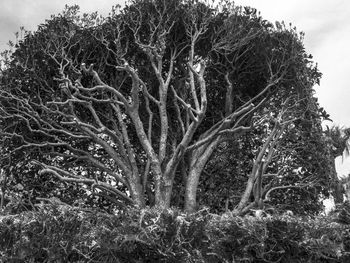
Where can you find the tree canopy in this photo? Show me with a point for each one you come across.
(141, 104)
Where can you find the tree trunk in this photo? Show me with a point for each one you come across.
(165, 188)
(163, 195)
(246, 195)
(136, 191)
(199, 158)
(168, 189)
(3, 177)
(191, 189)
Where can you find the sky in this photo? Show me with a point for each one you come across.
(325, 23)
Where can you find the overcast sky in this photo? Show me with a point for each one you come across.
(325, 23)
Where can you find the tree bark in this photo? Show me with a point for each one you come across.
(136, 190)
(199, 159)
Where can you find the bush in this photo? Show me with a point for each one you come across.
(58, 233)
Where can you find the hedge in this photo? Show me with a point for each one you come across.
(58, 233)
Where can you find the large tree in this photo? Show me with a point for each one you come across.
(123, 105)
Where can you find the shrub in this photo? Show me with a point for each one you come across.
(56, 233)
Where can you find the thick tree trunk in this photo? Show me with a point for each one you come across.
(191, 189)
(199, 158)
(163, 195)
(136, 191)
(165, 188)
(168, 189)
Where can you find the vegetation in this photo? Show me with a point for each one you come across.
(124, 107)
(162, 108)
(63, 234)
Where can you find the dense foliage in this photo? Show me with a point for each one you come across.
(131, 108)
(112, 128)
(66, 234)
(303, 162)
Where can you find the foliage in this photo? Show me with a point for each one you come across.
(338, 144)
(66, 234)
(296, 177)
(122, 107)
(339, 140)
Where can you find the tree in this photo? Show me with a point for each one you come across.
(125, 104)
(338, 141)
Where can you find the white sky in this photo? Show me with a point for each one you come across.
(325, 22)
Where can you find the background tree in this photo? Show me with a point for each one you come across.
(338, 143)
(122, 105)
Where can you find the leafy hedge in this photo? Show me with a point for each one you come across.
(57, 233)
